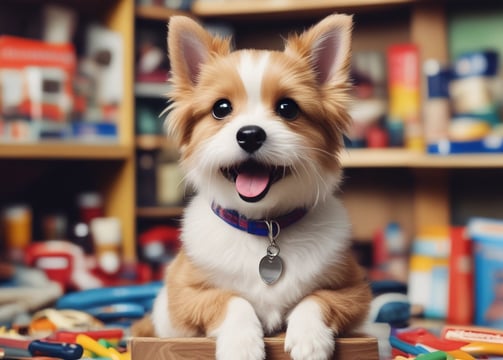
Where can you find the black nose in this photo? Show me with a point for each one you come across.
(251, 138)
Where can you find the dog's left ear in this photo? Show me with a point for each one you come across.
(189, 47)
(327, 46)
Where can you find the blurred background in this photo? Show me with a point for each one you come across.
(91, 194)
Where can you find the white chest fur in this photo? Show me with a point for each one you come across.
(230, 257)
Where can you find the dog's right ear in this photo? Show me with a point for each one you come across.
(327, 46)
(190, 46)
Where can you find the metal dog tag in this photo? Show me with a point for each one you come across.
(271, 266)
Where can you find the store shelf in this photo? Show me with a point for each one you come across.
(227, 8)
(151, 89)
(156, 12)
(250, 8)
(55, 150)
(159, 211)
(368, 158)
(154, 142)
(365, 158)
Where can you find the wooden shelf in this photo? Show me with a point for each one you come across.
(151, 89)
(227, 8)
(369, 158)
(247, 8)
(64, 150)
(159, 211)
(355, 158)
(425, 194)
(156, 12)
(154, 142)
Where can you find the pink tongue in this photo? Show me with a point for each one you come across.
(251, 185)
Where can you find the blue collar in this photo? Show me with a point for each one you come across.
(257, 227)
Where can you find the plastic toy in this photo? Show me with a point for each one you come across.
(28, 290)
(64, 263)
(420, 341)
(92, 345)
(158, 246)
(29, 348)
(113, 303)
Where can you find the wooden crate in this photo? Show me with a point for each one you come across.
(362, 348)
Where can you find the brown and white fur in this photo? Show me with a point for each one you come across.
(213, 287)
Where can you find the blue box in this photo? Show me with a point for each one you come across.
(487, 235)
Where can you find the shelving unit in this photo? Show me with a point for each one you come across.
(58, 150)
(151, 90)
(380, 185)
(393, 158)
(154, 93)
(156, 12)
(53, 170)
(156, 143)
(253, 9)
(159, 211)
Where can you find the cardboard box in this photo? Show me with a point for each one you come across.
(36, 87)
(362, 348)
(487, 236)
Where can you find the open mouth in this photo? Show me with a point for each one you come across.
(253, 179)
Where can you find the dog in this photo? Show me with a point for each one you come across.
(265, 242)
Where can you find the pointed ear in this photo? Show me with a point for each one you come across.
(327, 46)
(190, 46)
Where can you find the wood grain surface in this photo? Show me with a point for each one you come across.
(361, 348)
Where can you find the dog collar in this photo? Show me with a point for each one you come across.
(270, 266)
(258, 226)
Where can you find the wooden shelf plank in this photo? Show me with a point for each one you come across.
(380, 158)
(159, 211)
(64, 150)
(227, 8)
(156, 12)
(151, 89)
(354, 158)
(154, 142)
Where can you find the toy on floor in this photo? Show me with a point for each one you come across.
(425, 345)
(25, 291)
(67, 264)
(390, 303)
(118, 304)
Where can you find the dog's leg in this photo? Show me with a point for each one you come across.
(308, 337)
(240, 335)
(158, 323)
(318, 318)
(230, 319)
(161, 319)
(196, 306)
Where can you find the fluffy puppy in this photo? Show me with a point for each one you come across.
(266, 245)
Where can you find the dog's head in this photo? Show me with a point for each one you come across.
(259, 131)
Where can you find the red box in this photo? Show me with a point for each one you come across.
(36, 86)
(404, 93)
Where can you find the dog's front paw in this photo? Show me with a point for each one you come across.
(240, 336)
(307, 335)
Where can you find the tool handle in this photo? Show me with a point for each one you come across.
(55, 349)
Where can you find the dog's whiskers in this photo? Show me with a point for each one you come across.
(318, 150)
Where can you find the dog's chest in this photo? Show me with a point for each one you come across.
(236, 267)
(230, 258)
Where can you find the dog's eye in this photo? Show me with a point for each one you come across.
(287, 109)
(221, 109)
